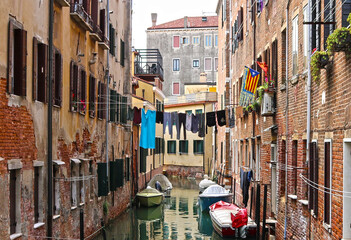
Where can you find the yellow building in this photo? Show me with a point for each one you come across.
(193, 155)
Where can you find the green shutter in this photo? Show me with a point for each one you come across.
(128, 168)
(122, 53)
(102, 179)
(186, 146)
(194, 146)
(120, 172)
(118, 99)
(124, 110)
(113, 176)
(201, 147)
(112, 106)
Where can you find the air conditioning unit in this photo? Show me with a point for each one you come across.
(268, 106)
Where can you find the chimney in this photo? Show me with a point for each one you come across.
(154, 19)
(203, 77)
(185, 22)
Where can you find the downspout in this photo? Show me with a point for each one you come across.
(286, 116)
(203, 146)
(107, 92)
(49, 166)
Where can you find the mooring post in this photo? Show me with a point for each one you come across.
(103, 229)
(81, 225)
(264, 212)
(251, 200)
(257, 211)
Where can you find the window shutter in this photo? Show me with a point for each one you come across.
(59, 62)
(91, 96)
(13, 222)
(10, 55)
(104, 97)
(241, 23)
(128, 168)
(71, 92)
(35, 69)
(112, 106)
(78, 89)
(94, 11)
(102, 179)
(99, 101)
(20, 86)
(53, 79)
(102, 21)
(327, 171)
(122, 53)
(186, 147)
(118, 104)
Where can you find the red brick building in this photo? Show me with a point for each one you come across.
(297, 161)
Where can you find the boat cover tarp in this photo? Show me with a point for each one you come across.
(206, 183)
(163, 180)
(238, 215)
(215, 190)
(149, 190)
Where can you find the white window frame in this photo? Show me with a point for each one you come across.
(173, 41)
(326, 225)
(198, 61)
(215, 42)
(39, 165)
(207, 70)
(305, 36)
(173, 89)
(198, 40)
(210, 40)
(185, 37)
(295, 43)
(178, 65)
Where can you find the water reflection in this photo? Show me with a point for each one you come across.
(177, 218)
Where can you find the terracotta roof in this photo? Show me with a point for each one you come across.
(192, 22)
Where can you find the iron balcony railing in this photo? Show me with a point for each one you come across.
(102, 36)
(77, 8)
(148, 62)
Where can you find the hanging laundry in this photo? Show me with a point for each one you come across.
(159, 117)
(195, 123)
(182, 121)
(210, 119)
(202, 125)
(130, 114)
(221, 118)
(175, 120)
(137, 115)
(188, 121)
(148, 129)
(167, 121)
(231, 117)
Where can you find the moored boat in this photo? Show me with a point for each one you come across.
(228, 220)
(205, 183)
(165, 184)
(212, 195)
(149, 197)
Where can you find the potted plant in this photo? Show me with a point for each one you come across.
(318, 61)
(339, 40)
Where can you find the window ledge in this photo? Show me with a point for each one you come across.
(327, 227)
(56, 217)
(81, 204)
(15, 235)
(73, 208)
(38, 225)
(198, 153)
(292, 197)
(303, 202)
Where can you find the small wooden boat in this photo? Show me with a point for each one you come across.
(166, 185)
(205, 183)
(212, 195)
(149, 213)
(228, 220)
(149, 197)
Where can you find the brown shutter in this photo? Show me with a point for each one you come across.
(24, 63)
(53, 78)
(94, 11)
(242, 23)
(10, 46)
(71, 92)
(102, 21)
(327, 171)
(35, 69)
(79, 95)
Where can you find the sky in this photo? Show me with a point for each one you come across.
(167, 10)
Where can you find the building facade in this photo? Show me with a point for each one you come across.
(83, 44)
(297, 141)
(189, 48)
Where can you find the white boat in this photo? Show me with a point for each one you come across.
(205, 183)
(166, 185)
(212, 195)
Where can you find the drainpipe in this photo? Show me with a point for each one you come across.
(203, 154)
(107, 92)
(287, 117)
(49, 166)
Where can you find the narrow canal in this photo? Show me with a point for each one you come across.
(177, 218)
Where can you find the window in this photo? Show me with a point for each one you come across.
(176, 64)
(198, 111)
(57, 84)
(143, 155)
(175, 89)
(258, 161)
(216, 40)
(328, 168)
(283, 57)
(221, 152)
(171, 146)
(295, 45)
(196, 63)
(216, 64)
(196, 40)
(82, 92)
(17, 59)
(208, 41)
(102, 21)
(240, 25)
(183, 146)
(275, 62)
(189, 112)
(75, 186)
(123, 116)
(329, 16)
(185, 40)
(176, 40)
(316, 28)
(40, 53)
(282, 173)
(113, 106)
(305, 37)
(15, 201)
(92, 95)
(56, 187)
(259, 7)
(91, 180)
(122, 50)
(157, 145)
(81, 188)
(313, 176)
(198, 146)
(38, 193)
(294, 166)
(101, 100)
(208, 64)
(112, 41)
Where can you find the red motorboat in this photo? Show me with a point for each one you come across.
(229, 220)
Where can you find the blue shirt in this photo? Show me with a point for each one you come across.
(148, 129)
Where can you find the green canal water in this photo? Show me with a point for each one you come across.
(177, 218)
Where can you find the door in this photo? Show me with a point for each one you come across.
(347, 188)
(274, 177)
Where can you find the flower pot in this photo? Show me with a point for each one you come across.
(323, 61)
(343, 43)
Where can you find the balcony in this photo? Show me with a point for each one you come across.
(98, 35)
(148, 64)
(81, 17)
(62, 3)
(192, 98)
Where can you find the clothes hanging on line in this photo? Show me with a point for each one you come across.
(182, 121)
(148, 129)
(245, 179)
(175, 120)
(137, 115)
(167, 121)
(130, 114)
(159, 117)
(202, 125)
(188, 121)
(195, 123)
(221, 118)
